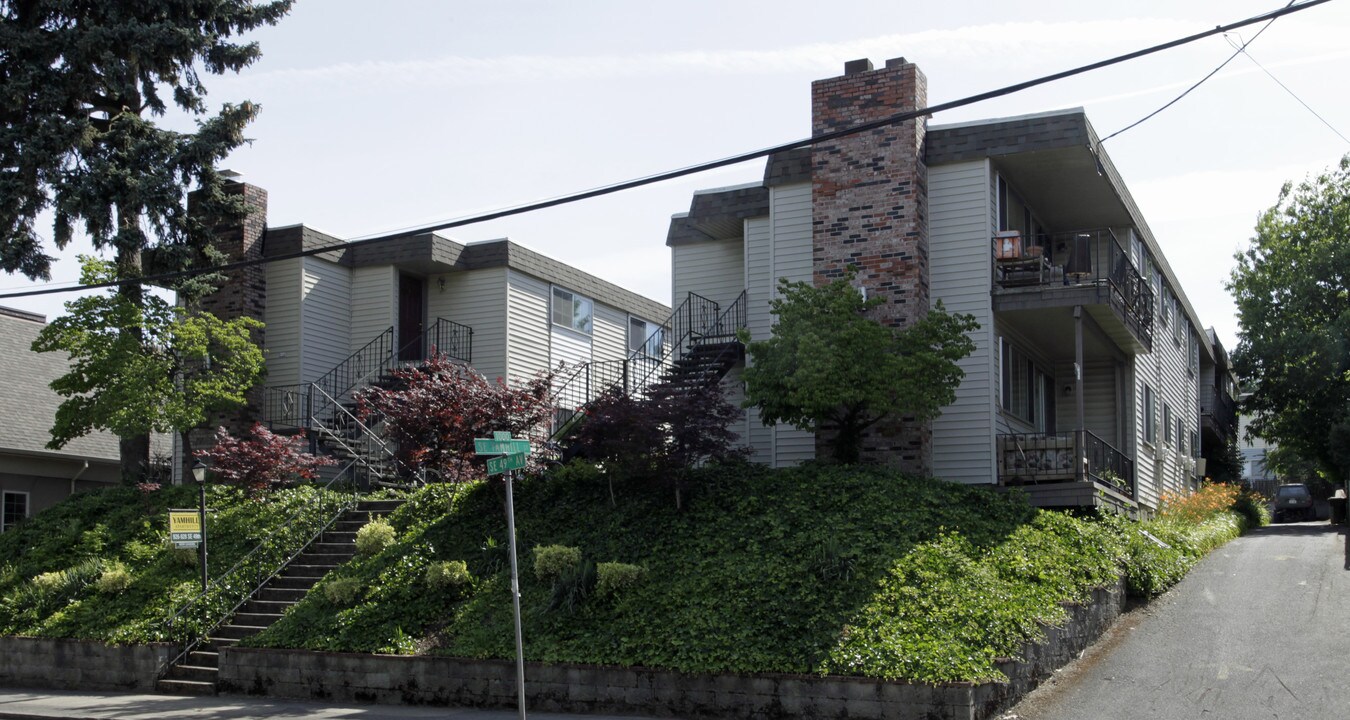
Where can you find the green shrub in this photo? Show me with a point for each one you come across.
(493, 557)
(374, 537)
(115, 578)
(448, 574)
(552, 561)
(343, 592)
(186, 557)
(1253, 508)
(615, 578)
(572, 586)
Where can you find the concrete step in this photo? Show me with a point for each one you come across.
(204, 658)
(297, 570)
(326, 560)
(337, 546)
(185, 687)
(214, 643)
(250, 619)
(272, 593)
(236, 632)
(269, 607)
(198, 673)
(284, 582)
(378, 506)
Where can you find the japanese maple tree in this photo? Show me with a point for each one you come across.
(436, 410)
(263, 462)
(655, 438)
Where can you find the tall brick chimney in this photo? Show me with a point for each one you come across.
(243, 294)
(869, 200)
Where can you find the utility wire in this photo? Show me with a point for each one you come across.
(1243, 50)
(1200, 82)
(692, 169)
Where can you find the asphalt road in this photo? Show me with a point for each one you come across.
(1259, 629)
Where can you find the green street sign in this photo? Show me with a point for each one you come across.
(490, 446)
(499, 465)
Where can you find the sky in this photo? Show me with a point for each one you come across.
(379, 117)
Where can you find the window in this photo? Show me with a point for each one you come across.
(1167, 423)
(1026, 390)
(15, 509)
(572, 311)
(1176, 329)
(645, 338)
(1181, 437)
(1195, 444)
(1193, 351)
(1150, 428)
(1165, 306)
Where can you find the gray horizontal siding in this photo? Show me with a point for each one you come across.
(960, 277)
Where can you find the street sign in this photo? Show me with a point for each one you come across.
(492, 446)
(185, 528)
(499, 465)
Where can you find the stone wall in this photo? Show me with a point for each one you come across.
(869, 200)
(60, 664)
(346, 677)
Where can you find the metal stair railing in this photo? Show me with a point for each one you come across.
(724, 330)
(590, 380)
(357, 438)
(292, 405)
(193, 622)
(455, 341)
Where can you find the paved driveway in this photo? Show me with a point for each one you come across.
(1259, 629)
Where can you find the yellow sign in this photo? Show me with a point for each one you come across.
(184, 521)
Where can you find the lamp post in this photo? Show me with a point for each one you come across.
(199, 474)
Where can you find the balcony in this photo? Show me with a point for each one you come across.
(1063, 270)
(1218, 414)
(1048, 469)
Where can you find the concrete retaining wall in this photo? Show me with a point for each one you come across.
(60, 664)
(345, 677)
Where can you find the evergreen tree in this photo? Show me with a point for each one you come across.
(80, 82)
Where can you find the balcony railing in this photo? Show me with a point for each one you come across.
(1219, 406)
(1085, 258)
(1049, 458)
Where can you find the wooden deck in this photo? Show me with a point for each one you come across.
(1074, 494)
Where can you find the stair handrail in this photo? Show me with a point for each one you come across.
(211, 624)
(452, 339)
(369, 436)
(691, 317)
(732, 319)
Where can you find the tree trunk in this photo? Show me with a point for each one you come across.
(134, 455)
(133, 452)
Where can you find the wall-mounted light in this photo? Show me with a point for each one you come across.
(440, 283)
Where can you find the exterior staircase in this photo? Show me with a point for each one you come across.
(197, 673)
(699, 343)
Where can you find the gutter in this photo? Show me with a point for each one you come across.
(77, 475)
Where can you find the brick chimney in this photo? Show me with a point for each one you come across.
(243, 294)
(869, 200)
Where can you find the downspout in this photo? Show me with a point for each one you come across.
(1080, 461)
(77, 475)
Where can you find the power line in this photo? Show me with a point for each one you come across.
(1198, 83)
(692, 169)
(1330, 127)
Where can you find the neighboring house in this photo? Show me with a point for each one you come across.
(1218, 403)
(1085, 384)
(338, 320)
(32, 477)
(1255, 470)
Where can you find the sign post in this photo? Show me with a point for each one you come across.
(510, 456)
